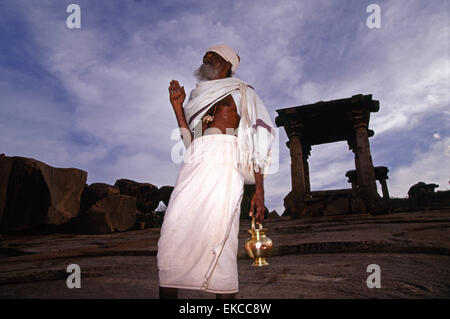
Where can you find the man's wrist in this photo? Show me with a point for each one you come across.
(177, 106)
(260, 189)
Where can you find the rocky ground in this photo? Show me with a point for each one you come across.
(321, 257)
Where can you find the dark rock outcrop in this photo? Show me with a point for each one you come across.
(164, 194)
(95, 192)
(149, 220)
(146, 194)
(5, 169)
(273, 215)
(113, 213)
(288, 202)
(34, 194)
(422, 193)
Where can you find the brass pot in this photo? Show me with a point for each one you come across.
(259, 246)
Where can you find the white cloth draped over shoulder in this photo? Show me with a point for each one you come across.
(255, 131)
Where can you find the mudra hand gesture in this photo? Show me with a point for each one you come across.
(177, 94)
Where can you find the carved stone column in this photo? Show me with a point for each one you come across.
(299, 176)
(306, 153)
(384, 189)
(381, 174)
(365, 173)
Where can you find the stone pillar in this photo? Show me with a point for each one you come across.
(299, 176)
(381, 174)
(384, 188)
(365, 173)
(305, 154)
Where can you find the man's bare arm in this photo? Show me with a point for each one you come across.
(185, 132)
(177, 96)
(257, 207)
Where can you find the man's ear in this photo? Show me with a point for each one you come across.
(229, 72)
(230, 65)
(239, 58)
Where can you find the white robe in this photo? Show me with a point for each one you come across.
(197, 248)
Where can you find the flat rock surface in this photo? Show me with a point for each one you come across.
(321, 257)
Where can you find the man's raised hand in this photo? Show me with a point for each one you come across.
(176, 94)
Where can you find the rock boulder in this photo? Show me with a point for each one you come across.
(146, 194)
(95, 192)
(164, 194)
(34, 194)
(113, 213)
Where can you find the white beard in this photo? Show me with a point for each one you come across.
(206, 72)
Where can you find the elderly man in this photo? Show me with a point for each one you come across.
(228, 133)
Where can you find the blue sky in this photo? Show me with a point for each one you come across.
(96, 98)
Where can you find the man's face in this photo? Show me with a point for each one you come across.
(214, 59)
(214, 67)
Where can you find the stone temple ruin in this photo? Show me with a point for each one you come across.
(328, 122)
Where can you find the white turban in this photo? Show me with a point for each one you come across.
(228, 54)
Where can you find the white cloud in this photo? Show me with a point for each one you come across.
(431, 166)
(328, 164)
(121, 101)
